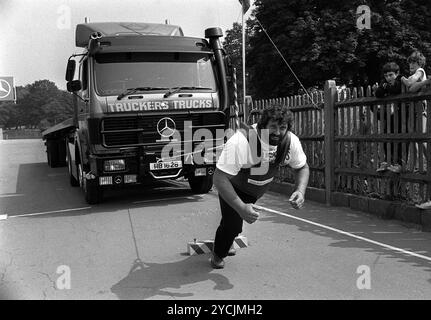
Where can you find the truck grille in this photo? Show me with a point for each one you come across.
(142, 130)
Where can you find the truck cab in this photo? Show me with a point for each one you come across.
(150, 104)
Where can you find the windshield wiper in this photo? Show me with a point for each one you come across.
(137, 89)
(177, 89)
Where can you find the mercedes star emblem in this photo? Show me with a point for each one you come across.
(4, 88)
(166, 127)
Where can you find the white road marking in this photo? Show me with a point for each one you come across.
(389, 232)
(346, 233)
(46, 212)
(11, 195)
(164, 199)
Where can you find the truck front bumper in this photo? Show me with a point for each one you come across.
(137, 170)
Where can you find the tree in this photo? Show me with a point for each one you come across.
(9, 115)
(38, 104)
(320, 41)
(233, 45)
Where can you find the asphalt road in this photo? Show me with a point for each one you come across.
(134, 245)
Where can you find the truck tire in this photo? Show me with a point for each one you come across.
(73, 181)
(92, 191)
(201, 184)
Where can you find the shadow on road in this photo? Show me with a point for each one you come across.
(41, 189)
(146, 280)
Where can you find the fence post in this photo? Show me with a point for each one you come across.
(329, 98)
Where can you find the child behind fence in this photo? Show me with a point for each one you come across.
(390, 85)
(414, 83)
(416, 63)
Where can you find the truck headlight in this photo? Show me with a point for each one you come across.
(114, 165)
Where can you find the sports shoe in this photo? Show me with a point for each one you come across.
(216, 262)
(231, 252)
(395, 168)
(383, 167)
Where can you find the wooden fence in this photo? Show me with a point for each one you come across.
(356, 132)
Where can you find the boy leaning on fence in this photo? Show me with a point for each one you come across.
(416, 82)
(416, 63)
(390, 85)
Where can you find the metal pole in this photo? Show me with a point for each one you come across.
(329, 115)
(235, 98)
(243, 68)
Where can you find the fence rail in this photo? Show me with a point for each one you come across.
(350, 133)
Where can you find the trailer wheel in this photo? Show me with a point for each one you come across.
(73, 181)
(52, 153)
(92, 191)
(201, 184)
(56, 152)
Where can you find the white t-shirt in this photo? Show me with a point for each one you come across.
(237, 154)
(422, 78)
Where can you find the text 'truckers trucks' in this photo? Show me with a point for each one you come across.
(145, 98)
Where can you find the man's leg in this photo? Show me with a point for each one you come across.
(230, 225)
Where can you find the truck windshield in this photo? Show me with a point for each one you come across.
(115, 72)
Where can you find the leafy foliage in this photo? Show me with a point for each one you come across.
(39, 105)
(320, 40)
(233, 45)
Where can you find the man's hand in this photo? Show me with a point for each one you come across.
(248, 213)
(297, 199)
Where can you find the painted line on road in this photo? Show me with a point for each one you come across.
(8, 216)
(387, 232)
(164, 199)
(11, 195)
(346, 233)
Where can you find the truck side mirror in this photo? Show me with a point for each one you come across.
(70, 70)
(73, 86)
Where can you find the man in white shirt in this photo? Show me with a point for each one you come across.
(247, 165)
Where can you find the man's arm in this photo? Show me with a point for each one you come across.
(301, 178)
(225, 189)
(227, 192)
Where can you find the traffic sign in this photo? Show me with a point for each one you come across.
(7, 89)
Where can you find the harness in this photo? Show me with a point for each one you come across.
(255, 180)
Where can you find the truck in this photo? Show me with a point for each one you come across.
(148, 103)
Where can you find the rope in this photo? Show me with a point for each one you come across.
(294, 74)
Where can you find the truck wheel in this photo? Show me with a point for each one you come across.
(92, 192)
(201, 184)
(73, 181)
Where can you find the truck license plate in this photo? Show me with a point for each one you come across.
(166, 165)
